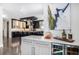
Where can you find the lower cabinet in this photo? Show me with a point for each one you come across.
(35, 47)
(42, 48)
(64, 49)
(71, 50)
(57, 49)
(26, 48)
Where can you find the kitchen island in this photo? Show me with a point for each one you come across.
(37, 45)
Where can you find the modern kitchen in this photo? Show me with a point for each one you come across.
(39, 29)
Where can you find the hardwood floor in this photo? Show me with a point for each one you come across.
(12, 48)
(7, 51)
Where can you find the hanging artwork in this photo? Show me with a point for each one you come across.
(59, 16)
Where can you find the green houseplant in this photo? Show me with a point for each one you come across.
(51, 19)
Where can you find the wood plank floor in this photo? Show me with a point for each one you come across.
(6, 50)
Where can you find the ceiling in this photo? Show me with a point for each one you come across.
(20, 10)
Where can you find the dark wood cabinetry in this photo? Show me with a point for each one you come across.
(72, 50)
(21, 34)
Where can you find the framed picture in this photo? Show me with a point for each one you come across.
(59, 16)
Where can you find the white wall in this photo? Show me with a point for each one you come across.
(45, 15)
(1, 28)
(75, 21)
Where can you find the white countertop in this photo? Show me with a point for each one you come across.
(40, 38)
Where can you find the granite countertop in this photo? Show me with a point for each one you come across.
(40, 38)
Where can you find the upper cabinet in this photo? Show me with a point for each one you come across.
(27, 23)
(18, 24)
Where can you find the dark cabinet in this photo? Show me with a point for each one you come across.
(36, 24)
(21, 34)
(72, 50)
